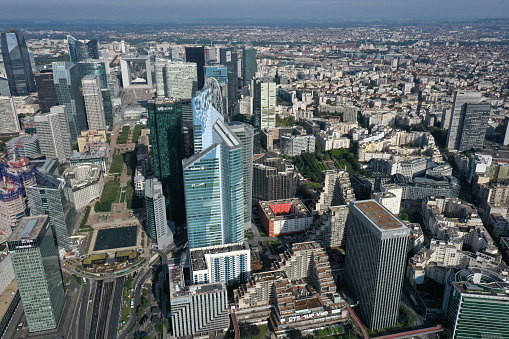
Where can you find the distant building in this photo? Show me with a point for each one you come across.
(197, 55)
(17, 64)
(293, 145)
(54, 134)
(91, 140)
(284, 216)
(37, 269)
(80, 50)
(249, 65)
(457, 116)
(46, 92)
(229, 58)
(221, 263)
(375, 262)
(176, 80)
(158, 227)
(98, 67)
(264, 104)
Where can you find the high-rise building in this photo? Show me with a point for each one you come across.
(8, 116)
(457, 116)
(250, 67)
(176, 80)
(12, 206)
(23, 146)
(46, 90)
(475, 121)
(17, 63)
(196, 309)
(480, 297)
(274, 179)
(98, 67)
(245, 133)
(157, 224)
(66, 76)
(37, 269)
(167, 140)
(213, 179)
(80, 50)
(376, 246)
(229, 58)
(264, 104)
(91, 89)
(54, 134)
(197, 55)
(51, 195)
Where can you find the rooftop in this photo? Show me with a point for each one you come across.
(7, 296)
(29, 228)
(379, 215)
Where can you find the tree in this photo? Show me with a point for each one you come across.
(248, 330)
(296, 334)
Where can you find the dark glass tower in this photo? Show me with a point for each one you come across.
(97, 67)
(229, 58)
(167, 139)
(249, 64)
(79, 50)
(46, 90)
(17, 63)
(197, 55)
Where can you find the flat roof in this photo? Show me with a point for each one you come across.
(7, 296)
(29, 228)
(379, 215)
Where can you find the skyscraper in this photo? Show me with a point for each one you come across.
(17, 63)
(92, 96)
(264, 108)
(228, 57)
(219, 73)
(376, 245)
(197, 55)
(475, 121)
(54, 134)
(456, 117)
(213, 179)
(12, 206)
(249, 64)
(51, 195)
(157, 224)
(98, 67)
(37, 269)
(167, 139)
(245, 134)
(176, 80)
(66, 76)
(46, 90)
(82, 50)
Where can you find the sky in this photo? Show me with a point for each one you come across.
(189, 10)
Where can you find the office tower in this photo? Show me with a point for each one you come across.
(52, 195)
(196, 309)
(167, 140)
(157, 224)
(249, 62)
(457, 117)
(23, 146)
(98, 67)
(376, 245)
(245, 134)
(274, 179)
(12, 206)
(264, 108)
(475, 121)
(229, 58)
(17, 63)
(93, 98)
(213, 179)
(220, 263)
(80, 50)
(37, 269)
(197, 55)
(505, 139)
(54, 134)
(219, 73)
(176, 80)
(68, 86)
(477, 296)
(8, 116)
(46, 90)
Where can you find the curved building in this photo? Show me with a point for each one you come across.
(12, 206)
(87, 183)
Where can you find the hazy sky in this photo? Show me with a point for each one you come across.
(173, 10)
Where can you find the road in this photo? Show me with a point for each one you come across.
(105, 307)
(116, 306)
(95, 310)
(78, 326)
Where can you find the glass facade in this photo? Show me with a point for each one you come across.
(264, 105)
(17, 63)
(249, 65)
(79, 50)
(97, 67)
(167, 139)
(66, 76)
(228, 57)
(46, 91)
(197, 55)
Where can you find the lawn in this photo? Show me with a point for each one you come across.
(124, 135)
(122, 197)
(117, 165)
(137, 133)
(111, 190)
(263, 332)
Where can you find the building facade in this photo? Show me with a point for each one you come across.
(46, 90)
(86, 183)
(17, 63)
(80, 50)
(264, 104)
(176, 80)
(293, 145)
(54, 134)
(8, 116)
(23, 146)
(94, 106)
(284, 216)
(197, 55)
(249, 65)
(12, 206)
(157, 224)
(456, 116)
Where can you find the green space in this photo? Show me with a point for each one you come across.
(311, 165)
(46, 60)
(137, 133)
(124, 135)
(126, 307)
(110, 238)
(406, 324)
(288, 121)
(143, 303)
(122, 197)
(86, 214)
(110, 195)
(117, 165)
(250, 331)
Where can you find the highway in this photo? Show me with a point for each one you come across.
(95, 310)
(104, 309)
(116, 306)
(78, 325)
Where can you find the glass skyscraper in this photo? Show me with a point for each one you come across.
(98, 67)
(37, 269)
(167, 139)
(213, 179)
(82, 50)
(264, 104)
(197, 55)
(51, 196)
(249, 64)
(228, 57)
(17, 63)
(66, 76)
(46, 90)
